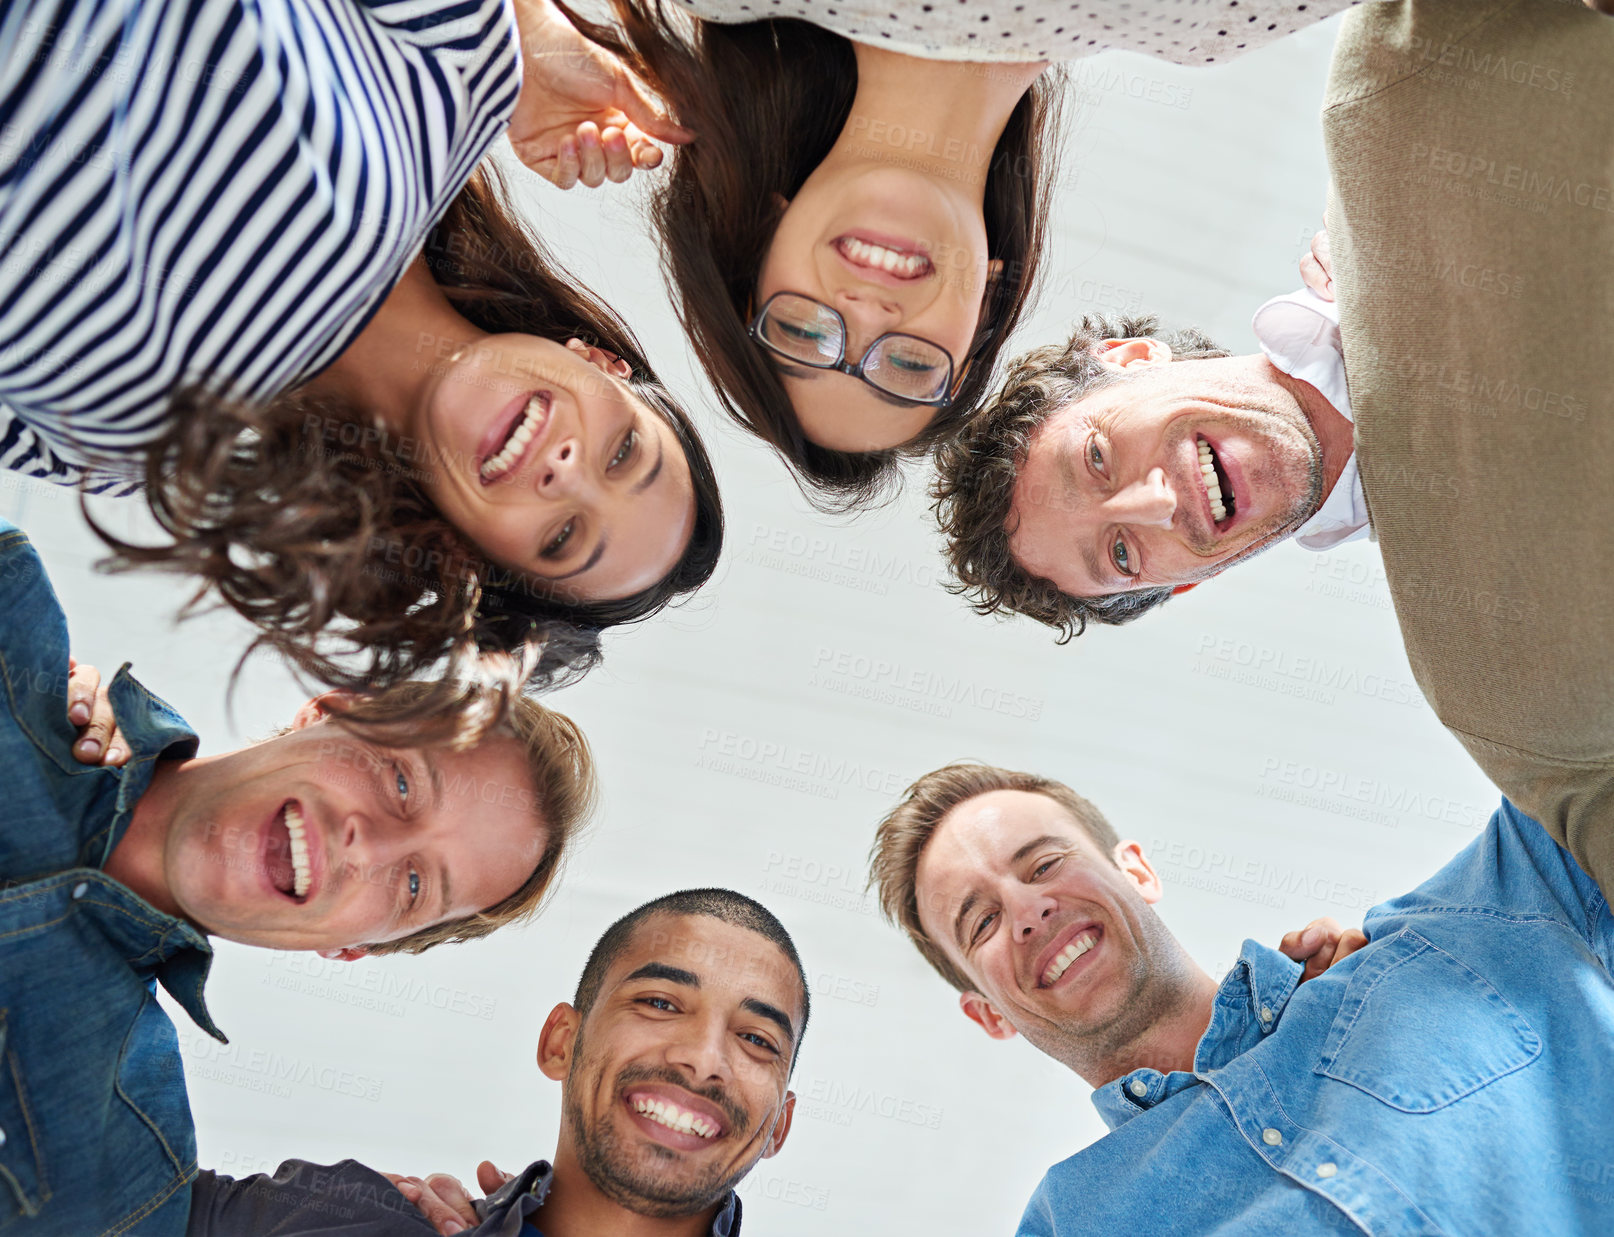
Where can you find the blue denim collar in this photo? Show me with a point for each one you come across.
(1248, 1006)
(167, 948)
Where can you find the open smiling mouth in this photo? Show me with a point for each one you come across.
(903, 263)
(523, 429)
(1067, 956)
(1217, 487)
(665, 1112)
(289, 868)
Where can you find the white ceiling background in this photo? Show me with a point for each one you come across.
(1268, 788)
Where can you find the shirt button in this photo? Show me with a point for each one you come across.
(1271, 1137)
(1266, 1014)
(1327, 1169)
(1138, 1087)
(80, 889)
(2, 1138)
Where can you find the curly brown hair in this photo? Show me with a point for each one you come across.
(310, 520)
(973, 491)
(768, 99)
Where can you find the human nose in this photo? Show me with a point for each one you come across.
(702, 1049)
(1027, 908)
(1148, 501)
(560, 467)
(867, 318)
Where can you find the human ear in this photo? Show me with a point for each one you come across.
(1135, 866)
(602, 359)
(316, 709)
(555, 1042)
(781, 1127)
(352, 954)
(1127, 353)
(984, 1014)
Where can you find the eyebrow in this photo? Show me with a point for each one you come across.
(599, 551)
(802, 371)
(1067, 474)
(644, 483)
(444, 900)
(969, 902)
(772, 1013)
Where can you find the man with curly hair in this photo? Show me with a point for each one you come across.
(1473, 257)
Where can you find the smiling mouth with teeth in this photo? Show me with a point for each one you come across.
(289, 868)
(1066, 957)
(1217, 487)
(522, 432)
(891, 261)
(662, 1112)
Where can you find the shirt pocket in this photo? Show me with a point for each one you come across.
(1418, 1030)
(22, 1163)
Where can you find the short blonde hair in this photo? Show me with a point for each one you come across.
(901, 838)
(562, 768)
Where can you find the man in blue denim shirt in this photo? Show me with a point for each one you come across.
(674, 1059)
(111, 880)
(1453, 1076)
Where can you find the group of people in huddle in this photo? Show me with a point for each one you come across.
(260, 273)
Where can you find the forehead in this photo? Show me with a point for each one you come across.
(980, 840)
(731, 963)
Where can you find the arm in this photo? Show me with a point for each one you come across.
(303, 1200)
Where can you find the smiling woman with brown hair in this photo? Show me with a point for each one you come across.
(859, 225)
(282, 288)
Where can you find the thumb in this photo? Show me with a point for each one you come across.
(489, 1177)
(651, 118)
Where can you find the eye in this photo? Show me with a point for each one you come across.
(625, 452)
(980, 928)
(1122, 558)
(1095, 453)
(761, 1041)
(659, 1002)
(912, 364)
(401, 780)
(1042, 867)
(553, 549)
(801, 332)
(414, 887)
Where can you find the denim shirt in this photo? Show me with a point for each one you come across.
(351, 1200)
(1454, 1076)
(95, 1128)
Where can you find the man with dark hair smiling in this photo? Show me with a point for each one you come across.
(112, 879)
(1474, 436)
(1451, 1075)
(674, 1059)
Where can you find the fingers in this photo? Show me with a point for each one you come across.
(1316, 268)
(491, 1178)
(89, 708)
(1352, 940)
(591, 155)
(647, 115)
(82, 684)
(441, 1199)
(618, 154)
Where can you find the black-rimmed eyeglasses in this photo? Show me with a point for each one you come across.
(813, 334)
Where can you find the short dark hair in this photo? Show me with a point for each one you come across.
(976, 472)
(723, 904)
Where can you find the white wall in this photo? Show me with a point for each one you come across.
(1265, 796)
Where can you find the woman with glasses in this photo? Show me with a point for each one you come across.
(250, 261)
(858, 226)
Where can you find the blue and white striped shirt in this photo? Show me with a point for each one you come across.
(216, 189)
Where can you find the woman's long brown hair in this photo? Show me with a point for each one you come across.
(310, 521)
(767, 99)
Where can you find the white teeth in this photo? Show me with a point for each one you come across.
(906, 265)
(674, 1118)
(526, 427)
(1213, 488)
(301, 873)
(1067, 955)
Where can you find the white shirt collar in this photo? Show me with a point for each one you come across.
(1299, 333)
